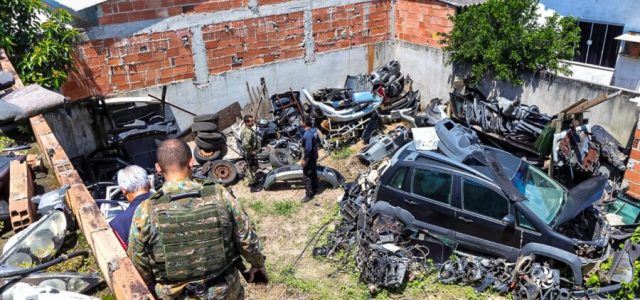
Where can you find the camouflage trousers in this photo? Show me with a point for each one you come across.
(251, 169)
(226, 287)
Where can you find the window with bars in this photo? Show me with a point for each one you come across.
(597, 44)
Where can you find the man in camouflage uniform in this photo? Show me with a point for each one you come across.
(185, 239)
(251, 146)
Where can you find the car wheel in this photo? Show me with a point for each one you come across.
(223, 171)
(211, 118)
(280, 158)
(202, 156)
(210, 145)
(212, 135)
(203, 126)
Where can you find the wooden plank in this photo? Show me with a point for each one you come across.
(117, 269)
(570, 107)
(593, 102)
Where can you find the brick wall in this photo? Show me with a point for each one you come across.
(250, 42)
(112, 65)
(123, 11)
(350, 25)
(632, 174)
(419, 21)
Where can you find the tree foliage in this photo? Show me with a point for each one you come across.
(506, 38)
(37, 40)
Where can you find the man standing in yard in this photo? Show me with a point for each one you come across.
(309, 159)
(134, 184)
(186, 239)
(251, 146)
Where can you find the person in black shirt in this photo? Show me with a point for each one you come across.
(310, 159)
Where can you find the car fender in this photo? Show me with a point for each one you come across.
(572, 260)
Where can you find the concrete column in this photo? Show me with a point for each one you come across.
(199, 56)
(309, 44)
(392, 23)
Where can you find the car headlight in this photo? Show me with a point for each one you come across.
(37, 243)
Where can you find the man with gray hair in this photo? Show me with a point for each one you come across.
(134, 184)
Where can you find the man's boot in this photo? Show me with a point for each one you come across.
(306, 198)
(255, 187)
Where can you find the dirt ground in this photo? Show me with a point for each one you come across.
(285, 226)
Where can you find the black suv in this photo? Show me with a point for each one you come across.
(488, 201)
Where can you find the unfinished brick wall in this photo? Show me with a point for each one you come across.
(419, 21)
(632, 174)
(350, 25)
(124, 11)
(245, 43)
(112, 65)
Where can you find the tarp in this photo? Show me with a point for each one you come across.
(28, 102)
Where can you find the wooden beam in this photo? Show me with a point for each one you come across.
(591, 103)
(117, 269)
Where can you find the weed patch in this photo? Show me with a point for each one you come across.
(285, 208)
(343, 153)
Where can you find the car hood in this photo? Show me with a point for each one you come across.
(581, 197)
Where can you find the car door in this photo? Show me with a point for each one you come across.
(479, 224)
(430, 198)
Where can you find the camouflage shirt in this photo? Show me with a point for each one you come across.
(249, 139)
(142, 235)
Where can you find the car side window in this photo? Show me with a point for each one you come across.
(398, 177)
(524, 222)
(433, 185)
(483, 200)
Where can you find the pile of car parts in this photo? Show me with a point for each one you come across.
(509, 118)
(383, 256)
(481, 273)
(381, 146)
(585, 148)
(346, 114)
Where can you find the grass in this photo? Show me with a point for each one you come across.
(284, 208)
(343, 153)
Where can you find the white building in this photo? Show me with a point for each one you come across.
(609, 51)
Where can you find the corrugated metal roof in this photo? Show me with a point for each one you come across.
(79, 5)
(629, 37)
(463, 3)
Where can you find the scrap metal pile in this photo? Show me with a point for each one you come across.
(384, 257)
(509, 118)
(585, 148)
(358, 109)
(581, 147)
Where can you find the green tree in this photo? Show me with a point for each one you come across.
(507, 38)
(38, 41)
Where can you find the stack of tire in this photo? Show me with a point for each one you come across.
(211, 147)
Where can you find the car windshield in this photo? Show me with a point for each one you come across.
(544, 196)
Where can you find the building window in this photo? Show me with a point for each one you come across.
(597, 44)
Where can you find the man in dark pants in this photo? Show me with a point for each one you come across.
(310, 159)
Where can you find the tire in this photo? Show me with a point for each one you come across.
(211, 135)
(280, 158)
(210, 118)
(223, 171)
(202, 156)
(210, 145)
(203, 126)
